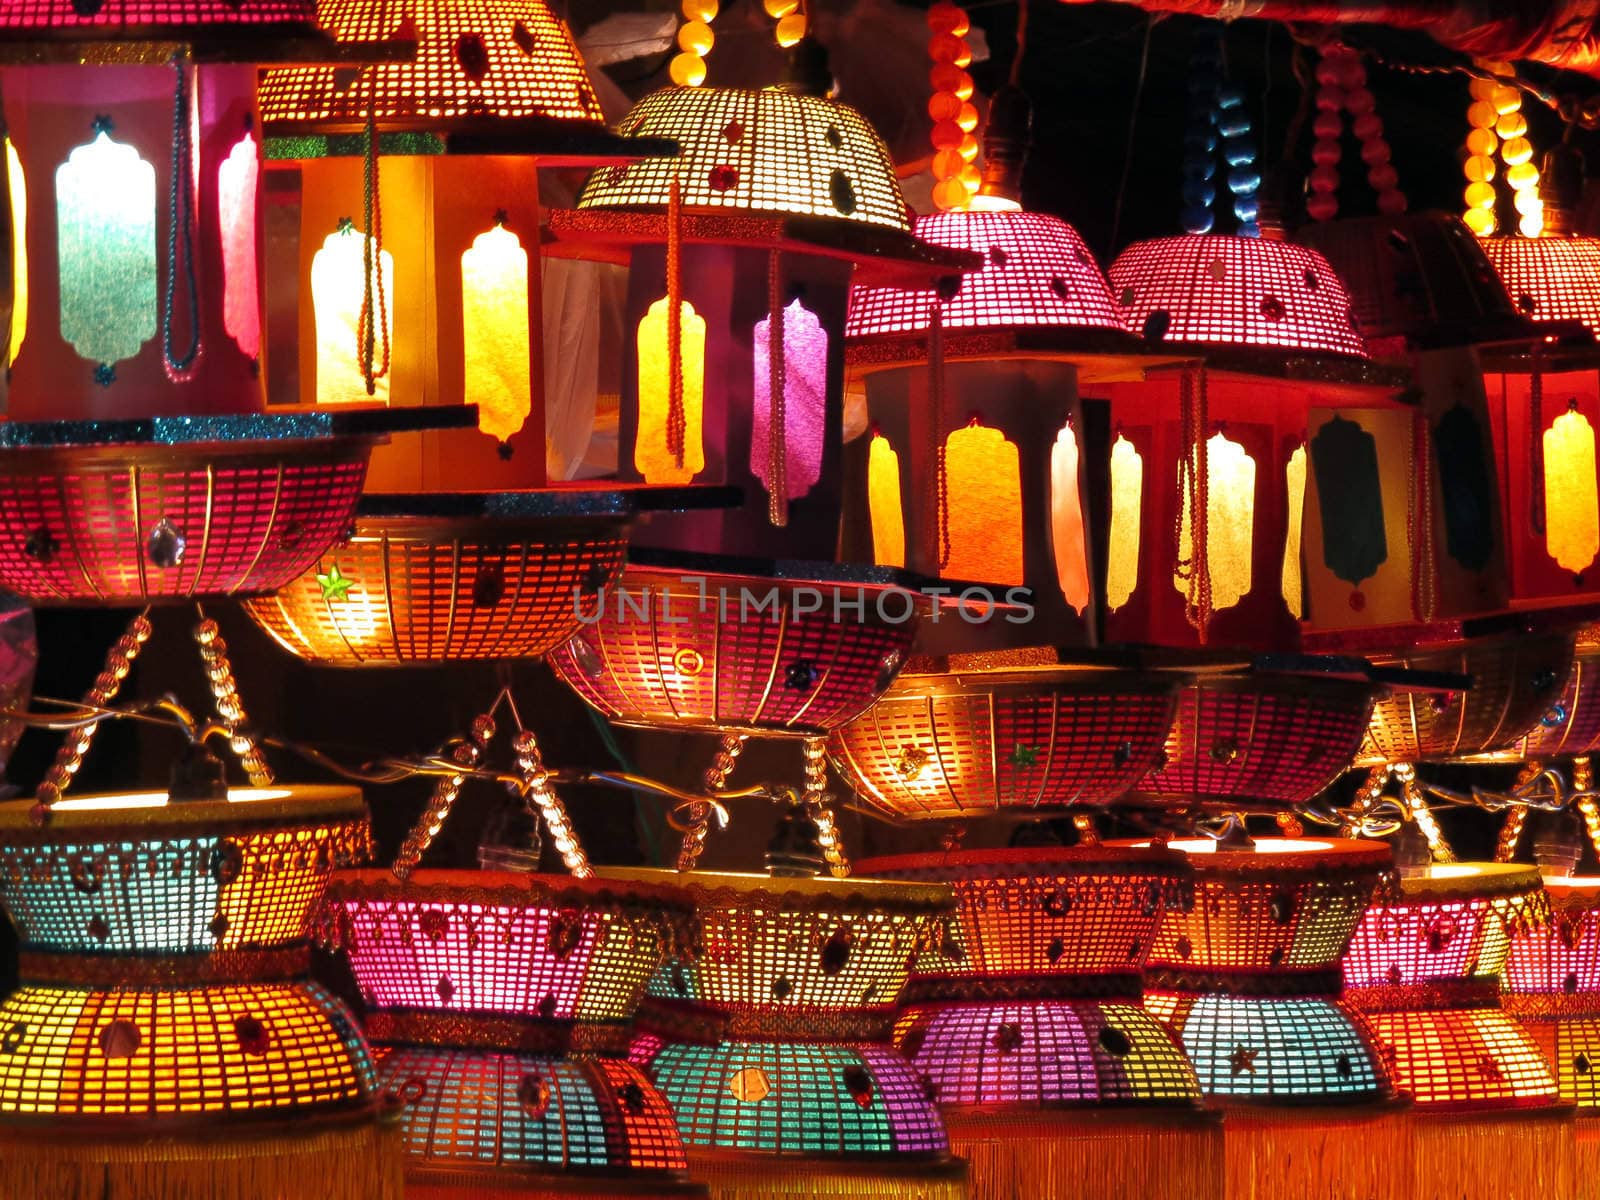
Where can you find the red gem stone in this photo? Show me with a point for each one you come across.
(723, 178)
(733, 131)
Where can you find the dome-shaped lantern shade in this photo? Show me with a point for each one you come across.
(153, 20)
(1550, 278)
(1552, 980)
(1208, 289)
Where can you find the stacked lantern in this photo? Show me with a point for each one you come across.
(502, 1002)
(1248, 978)
(164, 992)
(1424, 970)
(1029, 1030)
(768, 1036)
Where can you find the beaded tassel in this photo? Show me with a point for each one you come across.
(816, 802)
(530, 766)
(716, 778)
(225, 690)
(443, 799)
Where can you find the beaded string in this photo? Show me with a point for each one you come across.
(676, 420)
(180, 232)
(815, 799)
(940, 483)
(225, 691)
(1417, 806)
(777, 409)
(531, 769)
(1583, 781)
(1218, 119)
(373, 323)
(1342, 85)
(1194, 490)
(1510, 837)
(950, 108)
(1083, 823)
(1366, 797)
(443, 799)
(716, 778)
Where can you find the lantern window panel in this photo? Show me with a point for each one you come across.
(338, 292)
(805, 400)
(653, 455)
(983, 521)
(17, 190)
(1068, 539)
(238, 180)
(495, 331)
(1127, 500)
(1230, 484)
(1294, 592)
(1571, 506)
(884, 503)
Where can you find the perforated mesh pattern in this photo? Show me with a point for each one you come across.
(1571, 1048)
(1416, 942)
(419, 599)
(1571, 725)
(1550, 278)
(1461, 1058)
(81, 535)
(565, 964)
(798, 1099)
(1514, 683)
(166, 895)
(661, 655)
(1036, 273)
(1209, 288)
(1045, 1052)
(1293, 1048)
(138, 15)
(1561, 958)
(767, 151)
(957, 744)
(1261, 738)
(519, 1111)
(475, 59)
(130, 1053)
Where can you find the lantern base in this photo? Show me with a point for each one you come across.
(1513, 1154)
(346, 1160)
(1109, 1154)
(1345, 1152)
(735, 1176)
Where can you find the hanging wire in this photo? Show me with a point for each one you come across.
(1133, 124)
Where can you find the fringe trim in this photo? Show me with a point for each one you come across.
(1509, 1156)
(1587, 1136)
(1320, 1154)
(1069, 1155)
(779, 1177)
(350, 1162)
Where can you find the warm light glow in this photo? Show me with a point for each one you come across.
(17, 183)
(494, 331)
(805, 399)
(1266, 846)
(1295, 1046)
(337, 292)
(1067, 538)
(158, 799)
(1294, 594)
(984, 520)
(237, 179)
(883, 503)
(651, 456)
(1571, 506)
(1230, 522)
(1127, 496)
(1461, 1056)
(106, 245)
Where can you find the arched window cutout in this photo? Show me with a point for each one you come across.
(652, 456)
(1066, 521)
(337, 292)
(984, 519)
(494, 331)
(884, 503)
(1571, 507)
(17, 185)
(237, 180)
(1294, 593)
(805, 391)
(1127, 498)
(1230, 522)
(106, 244)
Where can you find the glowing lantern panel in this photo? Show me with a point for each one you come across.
(494, 329)
(1066, 521)
(338, 293)
(652, 454)
(106, 231)
(1572, 509)
(805, 391)
(984, 522)
(883, 497)
(237, 180)
(17, 186)
(1127, 492)
(1293, 582)
(1230, 522)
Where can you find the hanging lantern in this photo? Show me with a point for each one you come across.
(1028, 1026)
(1218, 446)
(1424, 971)
(1248, 976)
(164, 985)
(133, 295)
(741, 254)
(974, 465)
(436, 247)
(770, 1042)
(502, 1001)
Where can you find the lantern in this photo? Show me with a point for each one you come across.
(437, 246)
(741, 253)
(1248, 976)
(164, 986)
(503, 1001)
(768, 1039)
(974, 464)
(133, 295)
(1424, 971)
(1207, 462)
(1028, 1026)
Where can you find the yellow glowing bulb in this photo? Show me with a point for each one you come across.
(1482, 142)
(699, 10)
(1523, 175)
(18, 186)
(494, 328)
(1479, 168)
(1479, 195)
(1506, 100)
(1479, 220)
(1482, 89)
(1517, 150)
(1512, 125)
(950, 193)
(778, 9)
(967, 118)
(695, 37)
(1527, 202)
(688, 70)
(1531, 224)
(1571, 503)
(1482, 115)
(969, 147)
(791, 29)
(971, 179)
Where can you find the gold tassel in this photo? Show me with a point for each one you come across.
(1359, 1153)
(1529, 1154)
(1588, 1164)
(1159, 1155)
(733, 1176)
(512, 1185)
(357, 1161)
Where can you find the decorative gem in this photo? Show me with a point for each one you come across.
(335, 586)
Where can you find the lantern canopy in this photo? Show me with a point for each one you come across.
(988, 406)
(777, 201)
(1269, 330)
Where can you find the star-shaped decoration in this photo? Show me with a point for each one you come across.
(1488, 1067)
(1242, 1061)
(335, 584)
(1023, 755)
